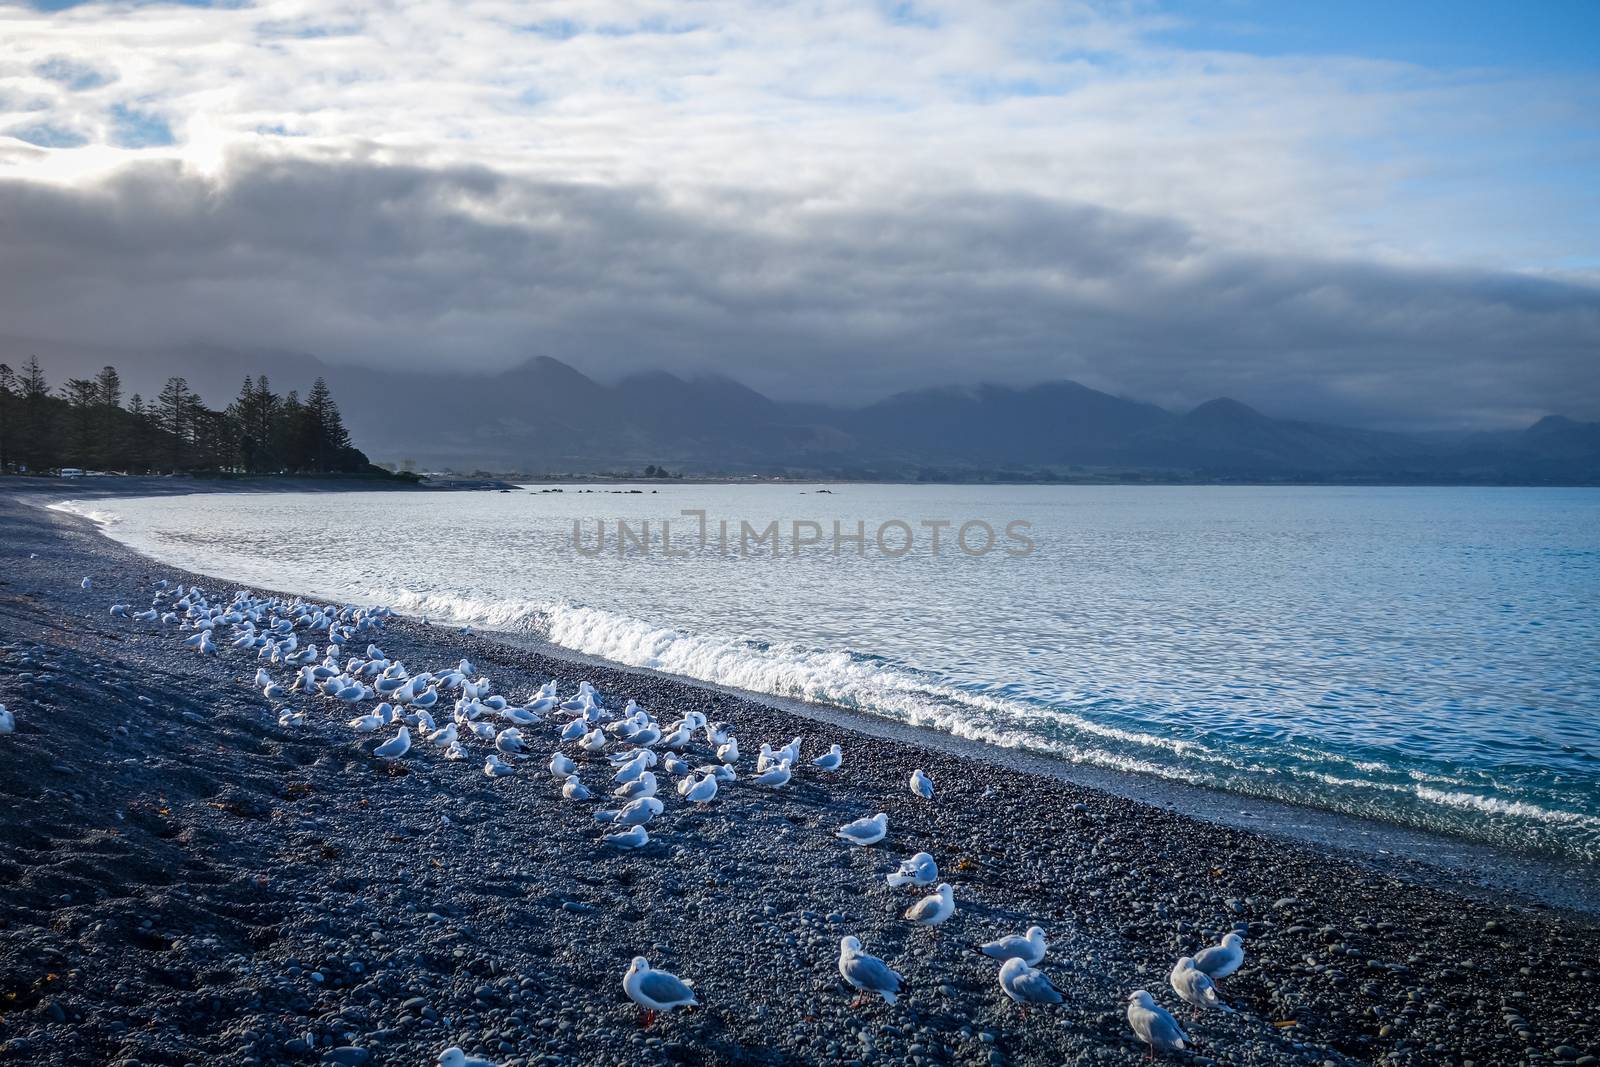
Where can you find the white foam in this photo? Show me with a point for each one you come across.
(82, 509)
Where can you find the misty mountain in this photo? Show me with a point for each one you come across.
(547, 417)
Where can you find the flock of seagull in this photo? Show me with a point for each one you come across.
(448, 711)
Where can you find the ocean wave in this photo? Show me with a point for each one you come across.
(84, 510)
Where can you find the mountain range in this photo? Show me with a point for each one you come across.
(547, 417)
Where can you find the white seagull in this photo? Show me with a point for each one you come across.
(919, 870)
(1222, 959)
(866, 974)
(8, 721)
(655, 990)
(495, 767)
(935, 908)
(865, 831)
(702, 791)
(561, 765)
(1025, 986)
(574, 789)
(1154, 1026)
(1194, 986)
(395, 747)
(454, 1057)
(921, 784)
(776, 778)
(829, 760)
(631, 838)
(1029, 949)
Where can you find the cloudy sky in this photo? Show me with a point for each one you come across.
(1328, 210)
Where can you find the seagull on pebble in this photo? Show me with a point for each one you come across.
(829, 760)
(919, 870)
(1194, 986)
(288, 718)
(445, 735)
(634, 813)
(366, 724)
(866, 974)
(1025, 986)
(865, 831)
(776, 778)
(561, 765)
(454, 1057)
(494, 767)
(87, 583)
(395, 747)
(119, 610)
(455, 751)
(655, 990)
(921, 784)
(1029, 949)
(1154, 1025)
(642, 786)
(935, 908)
(1222, 959)
(574, 789)
(509, 741)
(631, 838)
(701, 791)
(729, 752)
(8, 721)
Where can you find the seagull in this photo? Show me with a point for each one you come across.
(934, 909)
(119, 610)
(454, 1057)
(574, 789)
(921, 784)
(455, 751)
(444, 736)
(634, 813)
(1025, 986)
(829, 760)
(1154, 1026)
(642, 786)
(593, 741)
(285, 718)
(365, 724)
(395, 747)
(866, 974)
(1194, 986)
(494, 767)
(631, 838)
(776, 778)
(561, 765)
(8, 721)
(1029, 949)
(1222, 959)
(729, 753)
(509, 740)
(919, 870)
(87, 583)
(865, 831)
(672, 764)
(702, 791)
(656, 990)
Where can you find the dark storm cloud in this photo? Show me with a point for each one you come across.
(407, 266)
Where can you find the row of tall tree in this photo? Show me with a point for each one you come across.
(86, 423)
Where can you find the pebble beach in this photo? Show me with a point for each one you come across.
(185, 880)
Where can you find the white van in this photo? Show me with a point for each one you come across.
(72, 472)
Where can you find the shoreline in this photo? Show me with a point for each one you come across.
(1422, 855)
(189, 876)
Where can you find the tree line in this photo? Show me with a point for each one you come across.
(86, 423)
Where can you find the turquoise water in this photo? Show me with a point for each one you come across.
(1426, 656)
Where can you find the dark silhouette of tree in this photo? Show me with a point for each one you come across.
(81, 396)
(8, 414)
(86, 425)
(173, 409)
(36, 447)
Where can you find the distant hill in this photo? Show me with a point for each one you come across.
(546, 416)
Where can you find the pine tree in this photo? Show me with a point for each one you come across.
(172, 414)
(110, 431)
(81, 396)
(140, 432)
(36, 436)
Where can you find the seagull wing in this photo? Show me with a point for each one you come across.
(664, 988)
